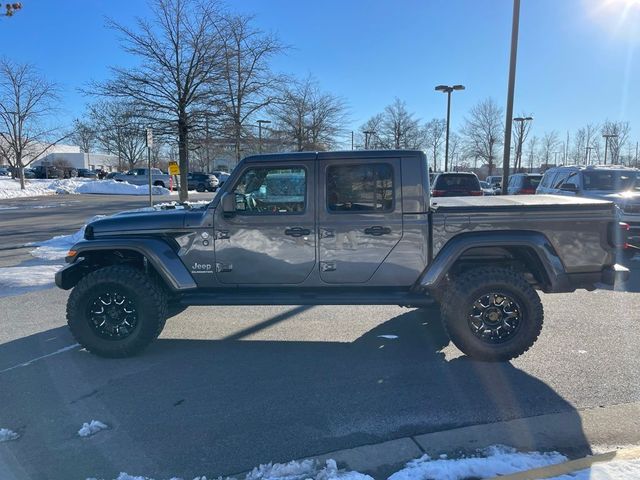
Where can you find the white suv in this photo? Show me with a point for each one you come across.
(618, 184)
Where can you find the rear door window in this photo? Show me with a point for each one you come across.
(360, 188)
(453, 182)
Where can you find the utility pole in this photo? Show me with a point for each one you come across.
(351, 139)
(447, 89)
(260, 122)
(587, 156)
(510, 92)
(520, 132)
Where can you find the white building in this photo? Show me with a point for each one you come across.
(71, 155)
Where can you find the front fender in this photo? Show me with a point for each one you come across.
(432, 277)
(157, 252)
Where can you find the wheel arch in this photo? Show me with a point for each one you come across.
(529, 252)
(152, 255)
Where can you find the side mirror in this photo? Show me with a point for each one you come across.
(569, 187)
(228, 202)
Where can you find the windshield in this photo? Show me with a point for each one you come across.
(611, 180)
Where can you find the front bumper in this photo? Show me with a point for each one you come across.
(70, 275)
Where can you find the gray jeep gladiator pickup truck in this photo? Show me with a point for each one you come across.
(340, 228)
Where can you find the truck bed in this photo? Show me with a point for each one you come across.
(571, 224)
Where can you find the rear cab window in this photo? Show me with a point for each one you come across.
(360, 188)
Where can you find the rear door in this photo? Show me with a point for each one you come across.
(359, 217)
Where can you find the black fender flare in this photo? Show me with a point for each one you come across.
(157, 252)
(556, 276)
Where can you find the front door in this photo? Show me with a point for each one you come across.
(360, 217)
(271, 239)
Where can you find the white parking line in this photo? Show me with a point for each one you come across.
(29, 362)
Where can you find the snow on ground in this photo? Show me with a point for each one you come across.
(91, 428)
(6, 435)
(30, 276)
(491, 462)
(56, 248)
(616, 470)
(10, 188)
(111, 187)
(488, 463)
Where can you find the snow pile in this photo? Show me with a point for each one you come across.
(32, 276)
(491, 462)
(10, 188)
(305, 469)
(111, 187)
(618, 470)
(91, 428)
(388, 337)
(6, 435)
(56, 248)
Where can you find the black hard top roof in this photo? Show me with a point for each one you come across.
(345, 154)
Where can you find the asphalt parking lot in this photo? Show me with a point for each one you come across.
(227, 388)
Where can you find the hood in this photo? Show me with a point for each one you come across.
(137, 222)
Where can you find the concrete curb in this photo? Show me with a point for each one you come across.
(574, 433)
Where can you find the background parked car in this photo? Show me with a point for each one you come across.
(140, 176)
(496, 183)
(86, 173)
(486, 188)
(202, 182)
(523, 183)
(456, 184)
(614, 183)
(221, 176)
(4, 172)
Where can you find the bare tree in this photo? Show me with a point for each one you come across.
(549, 143)
(249, 83)
(11, 8)
(520, 132)
(179, 53)
(433, 132)
(483, 131)
(454, 147)
(533, 142)
(309, 118)
(119, 130)
(580, 150)
(27, 102)
(83, 135)
(398, 128)
(620, 130)
(374, 127)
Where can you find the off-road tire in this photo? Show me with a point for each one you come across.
(149, 298)
(158, 184)
(458, 300)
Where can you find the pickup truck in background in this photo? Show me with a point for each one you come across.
(140, 176)
(341, 228)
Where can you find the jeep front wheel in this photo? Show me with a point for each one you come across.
(116, 311)
(492, 314)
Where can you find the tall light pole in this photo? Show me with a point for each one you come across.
(448, 89)
(520, 131)
(260, 122)
(515, 24)
(607, 136)
(367, 134)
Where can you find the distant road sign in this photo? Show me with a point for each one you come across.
(174, 169)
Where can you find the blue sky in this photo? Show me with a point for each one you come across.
(575, 62)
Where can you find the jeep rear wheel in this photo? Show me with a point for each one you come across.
(492, 314)
(116, 311)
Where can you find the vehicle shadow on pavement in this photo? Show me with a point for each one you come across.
(218, 407)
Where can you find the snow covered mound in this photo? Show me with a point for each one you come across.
(6, 435)
(111, 187)
(31, 276)
(491, 462)
(10, 188)
(91, 428)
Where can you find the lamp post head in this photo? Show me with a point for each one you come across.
(458, 87)
(448, 89)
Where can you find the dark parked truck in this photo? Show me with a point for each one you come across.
(340, 228)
